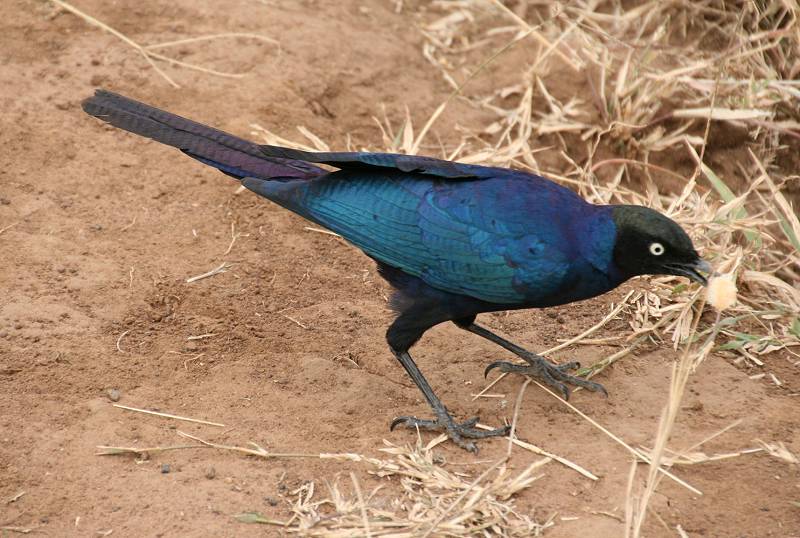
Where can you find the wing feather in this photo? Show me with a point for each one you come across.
(368, 161)
(446, 233)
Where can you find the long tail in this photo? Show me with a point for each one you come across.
(232, 155)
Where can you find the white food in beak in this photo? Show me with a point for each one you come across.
(721, 291)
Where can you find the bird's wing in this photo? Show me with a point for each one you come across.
(366, 161)
(485, 253)
(457, 236)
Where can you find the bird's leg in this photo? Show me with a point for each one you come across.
(554, 375)
(458, 432)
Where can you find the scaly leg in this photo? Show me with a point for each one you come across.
(444, 422)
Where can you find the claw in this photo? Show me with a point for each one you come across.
(564, 390)
(458, 433)
(555, 376)
(469, 423)
(489, 368)
(414, 422)
(397, 421)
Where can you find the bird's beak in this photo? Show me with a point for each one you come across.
(693, 270)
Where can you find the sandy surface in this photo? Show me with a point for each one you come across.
(107, 227)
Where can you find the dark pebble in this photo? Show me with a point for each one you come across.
(164, 468)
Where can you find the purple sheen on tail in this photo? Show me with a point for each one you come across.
(232, 155)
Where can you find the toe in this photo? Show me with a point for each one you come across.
(455, 435)
(469, 423)
(414, 422)
(469, 446)
(596, 387)
(568, 366)
(579, 382)
(473, 433)
(397, 421)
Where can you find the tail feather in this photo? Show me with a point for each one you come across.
(230, 154)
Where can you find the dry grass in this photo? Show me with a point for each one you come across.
(427, 499)
(433, 502)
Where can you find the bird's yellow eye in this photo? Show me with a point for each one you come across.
(656, 249)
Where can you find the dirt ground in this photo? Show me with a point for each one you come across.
(105, 227)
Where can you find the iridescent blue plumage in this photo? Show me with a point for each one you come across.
(509, 238)
(453, 239)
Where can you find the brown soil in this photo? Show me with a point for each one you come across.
(107, 227)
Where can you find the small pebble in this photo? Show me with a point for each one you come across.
(164, 468)
(114, 394)
(211, 473)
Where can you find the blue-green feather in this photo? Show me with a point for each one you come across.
(508, 239)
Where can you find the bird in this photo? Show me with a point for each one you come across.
(453, 240)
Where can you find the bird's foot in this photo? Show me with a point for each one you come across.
(555, 376)
(459, 433)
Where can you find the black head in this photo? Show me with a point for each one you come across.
(648, 243)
